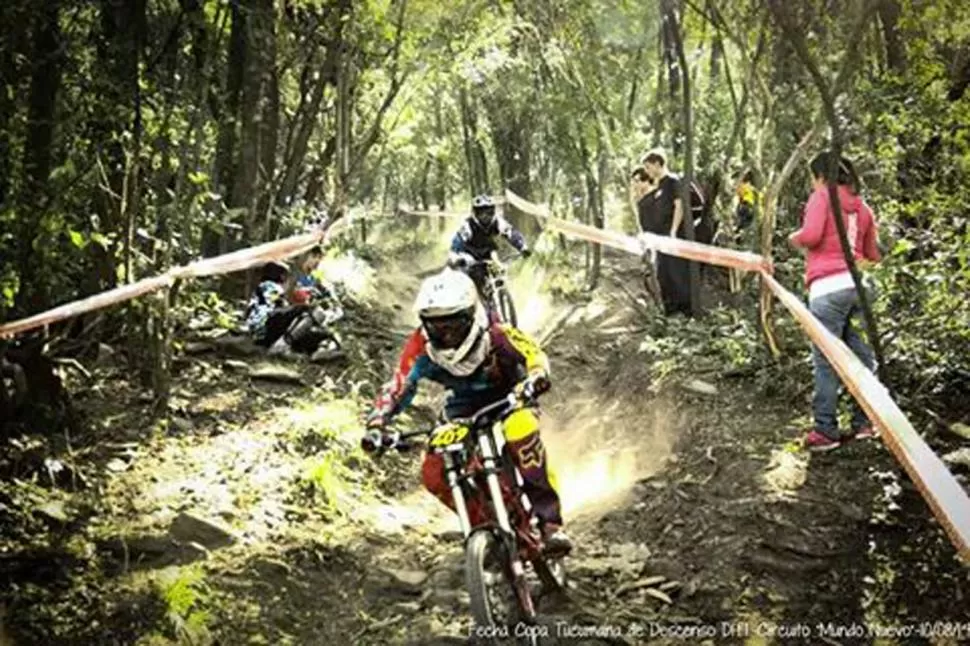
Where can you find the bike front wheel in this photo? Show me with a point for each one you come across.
(497, 606)
(507, 308)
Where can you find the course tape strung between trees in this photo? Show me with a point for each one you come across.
(227, 263)
(946, 497)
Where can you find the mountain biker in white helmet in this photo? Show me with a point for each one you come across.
(479, 363)
(475, 240)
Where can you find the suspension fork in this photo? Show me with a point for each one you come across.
(490, 457)
(452, 469)
(490, 462)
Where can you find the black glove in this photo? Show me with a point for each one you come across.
(526, 252)
(379, 440)
(371, 441)
(533, 386)
(374, 437)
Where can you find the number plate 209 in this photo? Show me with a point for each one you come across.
(448, 437)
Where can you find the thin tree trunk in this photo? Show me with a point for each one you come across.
(257, 84)
(599, 216)
(634, 86)
(269, 136)
(45, 80)
(767, 300)
(658, 102)
(229, 114)
(310, 117)
(474, 153)
(895, 48)
(687, 114)
(13, 45)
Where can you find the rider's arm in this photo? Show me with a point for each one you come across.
(460, 239)
(533, 358)
(399, 392)
(510, 233)
(459, 248)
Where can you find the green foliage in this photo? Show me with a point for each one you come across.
(184, 592)
(323, 479)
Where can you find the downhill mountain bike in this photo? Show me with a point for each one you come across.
(506, 567)
(494, 286)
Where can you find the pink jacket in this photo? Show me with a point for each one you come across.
(820, 236)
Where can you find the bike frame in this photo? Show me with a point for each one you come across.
(501, 495)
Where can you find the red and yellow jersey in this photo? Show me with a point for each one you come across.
(513, 355)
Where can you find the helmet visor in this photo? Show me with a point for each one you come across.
(484, 215)
(449, 332)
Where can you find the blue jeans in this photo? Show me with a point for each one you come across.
(838, 312)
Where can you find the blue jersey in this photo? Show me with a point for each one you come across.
(479, 242)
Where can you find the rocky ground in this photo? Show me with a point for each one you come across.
(249, 517)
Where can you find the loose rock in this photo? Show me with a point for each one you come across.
(700, 387)
(276, 373)
(409, 580)
(241, 346)
(189, 528)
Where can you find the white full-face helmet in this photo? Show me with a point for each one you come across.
(454, 322)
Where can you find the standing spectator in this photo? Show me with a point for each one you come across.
(832, 295)
(661, 212)
(747, 210)
(640, 188)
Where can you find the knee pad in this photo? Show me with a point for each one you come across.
(520, 425)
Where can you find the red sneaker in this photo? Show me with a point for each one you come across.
(816, 441)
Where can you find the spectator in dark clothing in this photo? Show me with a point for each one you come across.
(661, 212)
(640, 187)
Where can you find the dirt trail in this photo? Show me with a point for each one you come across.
(252, 518)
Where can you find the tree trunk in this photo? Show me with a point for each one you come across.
(228, 117)
(658, 100)
(424, 193)
(474, 152)
(257, 84)
(269, 137)
(717, 56)
(768, 232)
(123, 32)
(672, 20)
(45, 80)
(510, 137)
(894, 44)
(229, 113)
(13, 46)
(310, 115)
(599, 215)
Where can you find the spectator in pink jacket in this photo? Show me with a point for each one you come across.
(832, 295)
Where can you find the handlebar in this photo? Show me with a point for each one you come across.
(467, 260)
(377, 440)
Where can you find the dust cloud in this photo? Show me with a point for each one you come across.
(599, 450)
(533, 304)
